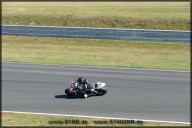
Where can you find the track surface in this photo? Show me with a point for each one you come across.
(132, 93)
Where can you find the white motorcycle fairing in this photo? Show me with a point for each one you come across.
(100, 85)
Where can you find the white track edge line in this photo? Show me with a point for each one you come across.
(50, 114)
(142, 69)
(94, 28)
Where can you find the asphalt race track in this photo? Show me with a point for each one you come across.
(132, 93)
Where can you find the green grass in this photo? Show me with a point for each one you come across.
(113, 53)
(137, 15)
(18, 119)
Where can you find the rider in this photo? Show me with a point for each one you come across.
(81, 84)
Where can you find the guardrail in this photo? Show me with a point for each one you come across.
(99, 33)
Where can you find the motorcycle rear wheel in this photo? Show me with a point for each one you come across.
(67, 92)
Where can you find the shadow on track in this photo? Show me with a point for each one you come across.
(67, 97)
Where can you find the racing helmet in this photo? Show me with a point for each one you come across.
(80, 80)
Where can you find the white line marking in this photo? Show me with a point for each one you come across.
(96, 28)
(51, 114)
(100, 67)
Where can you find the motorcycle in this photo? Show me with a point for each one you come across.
(95, 89)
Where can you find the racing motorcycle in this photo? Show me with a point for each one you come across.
(95, 89)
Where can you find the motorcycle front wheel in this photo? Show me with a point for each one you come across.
(101, 91)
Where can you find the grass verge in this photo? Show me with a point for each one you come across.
(92, 52)
(135, 15)
(18, 119)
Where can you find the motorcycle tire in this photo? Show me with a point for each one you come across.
(101, 91)
(67, 92)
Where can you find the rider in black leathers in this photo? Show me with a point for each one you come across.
(82, 85)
